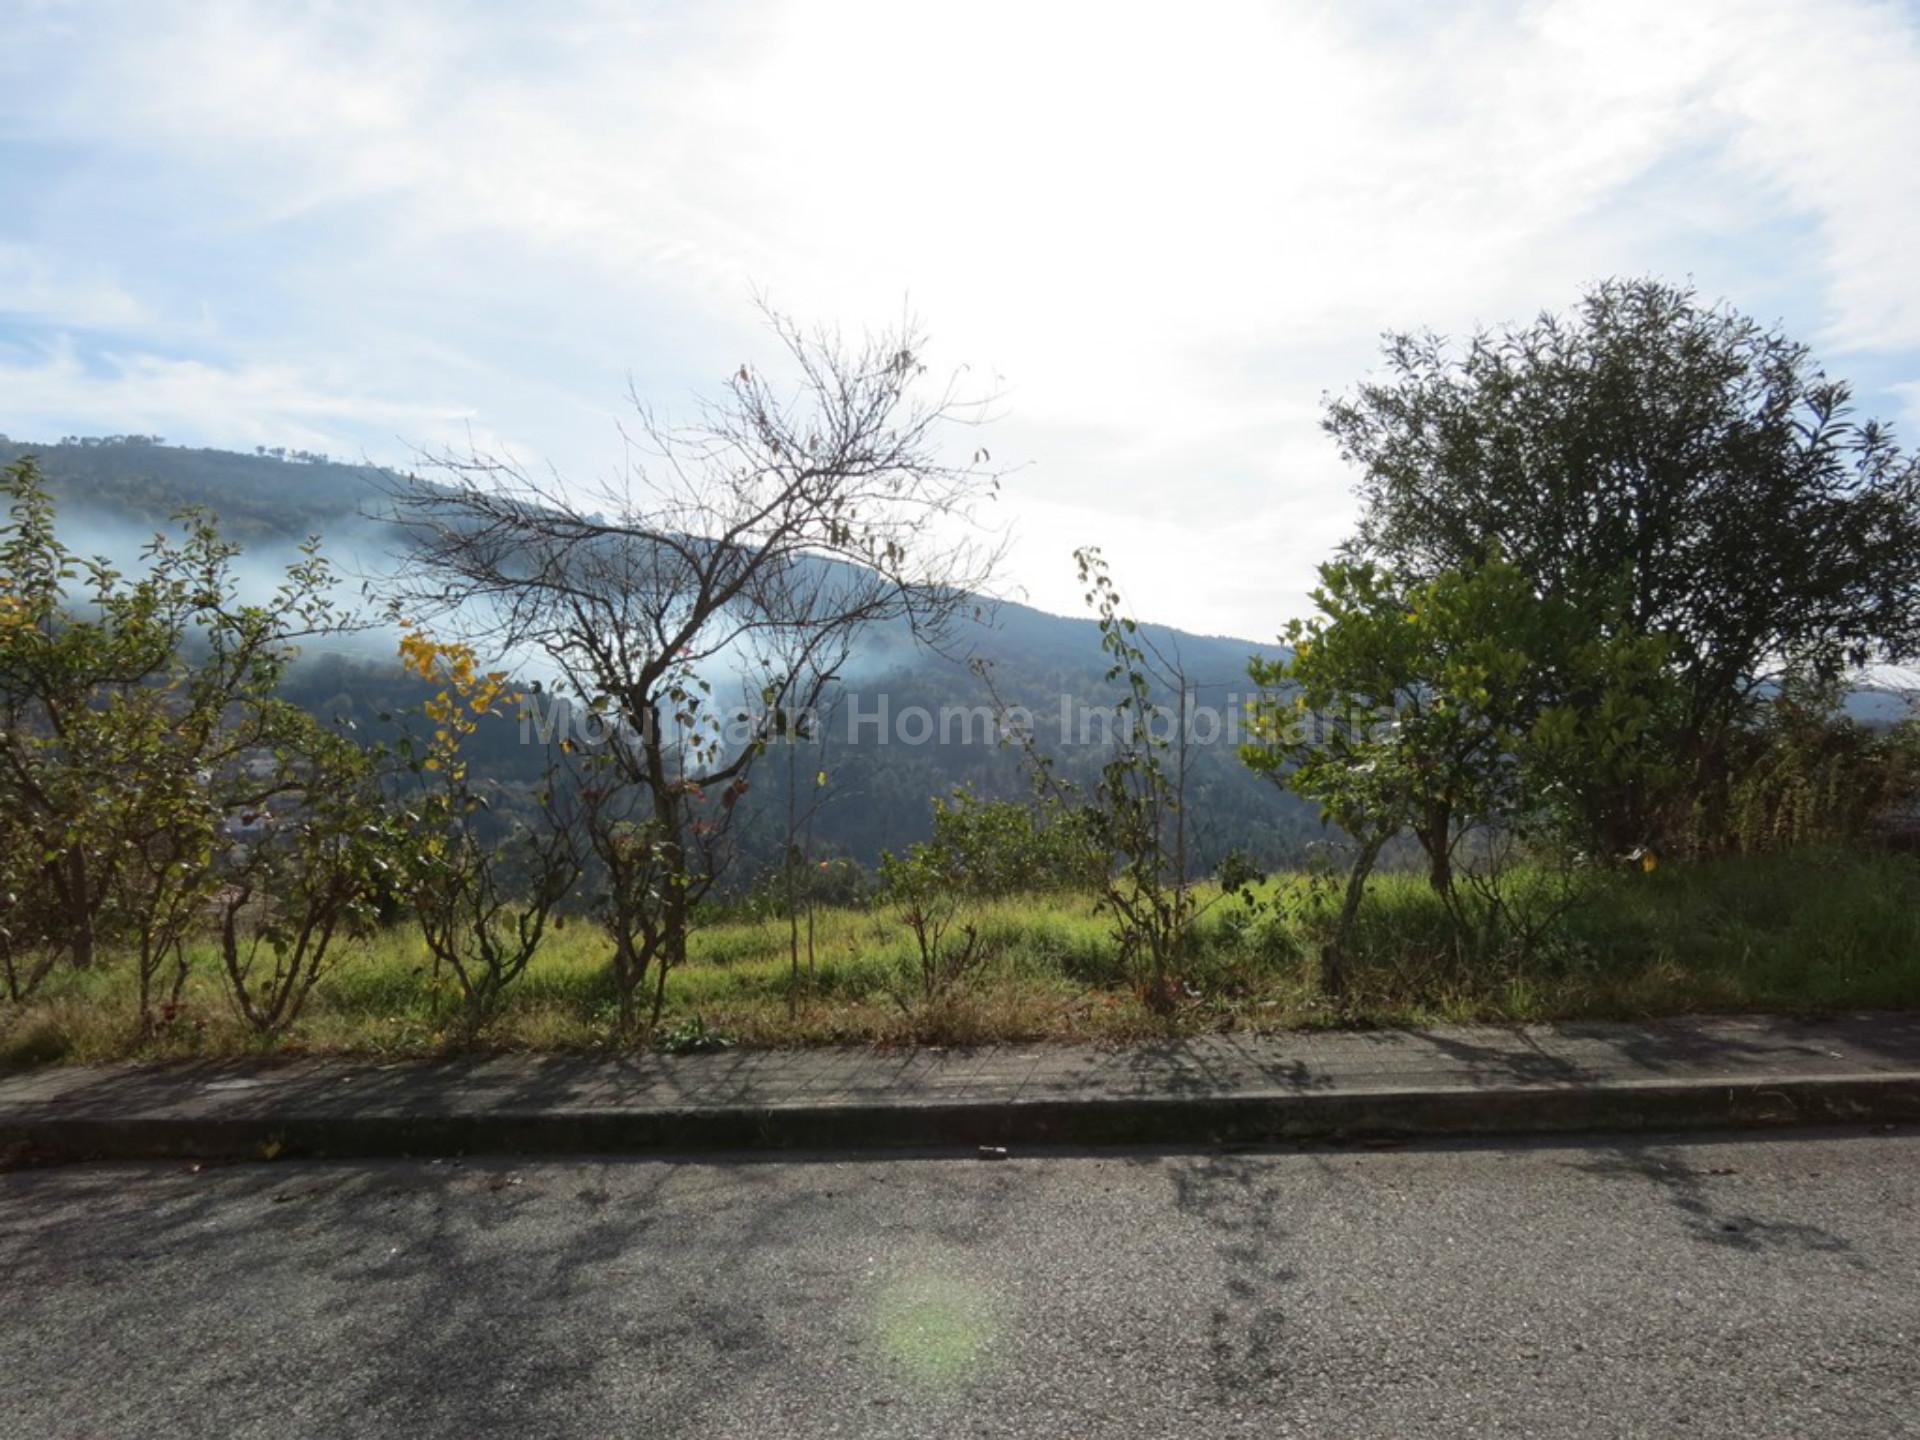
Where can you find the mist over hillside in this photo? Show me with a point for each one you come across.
(885, 763)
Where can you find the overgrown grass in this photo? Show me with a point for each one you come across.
(1799, 932)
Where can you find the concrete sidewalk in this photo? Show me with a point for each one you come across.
(1680, 1074)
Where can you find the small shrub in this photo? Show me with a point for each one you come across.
(947, 950)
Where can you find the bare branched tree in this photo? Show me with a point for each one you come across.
(751, 546)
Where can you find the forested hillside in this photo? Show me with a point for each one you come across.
(114, 492)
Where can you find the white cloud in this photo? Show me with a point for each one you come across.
(1170, 230)
(55, 391)
(34, 287)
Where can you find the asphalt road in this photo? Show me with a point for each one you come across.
(1737, 1287)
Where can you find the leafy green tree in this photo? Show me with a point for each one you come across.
(305, 875)
(1006, 847)
(137, 714)
(1659, 460)
(1466, 710)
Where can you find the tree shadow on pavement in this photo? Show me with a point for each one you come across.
(437, 1295)
(456, 1298)
(1707, 1216)
(1247, 1325)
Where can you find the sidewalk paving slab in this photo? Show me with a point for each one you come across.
(1705, 1072)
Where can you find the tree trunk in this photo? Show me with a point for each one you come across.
(1436, 838)
(77, 895)
(1333, 955)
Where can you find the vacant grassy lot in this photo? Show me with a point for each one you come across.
(1805, 932)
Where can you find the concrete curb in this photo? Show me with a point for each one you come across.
(1201, 1121)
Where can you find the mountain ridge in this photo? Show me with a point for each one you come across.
(119, 490)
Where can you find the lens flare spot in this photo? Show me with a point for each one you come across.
(933, 1328)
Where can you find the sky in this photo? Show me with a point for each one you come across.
(1162, 234)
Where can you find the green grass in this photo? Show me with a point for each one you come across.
(1800, 932)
